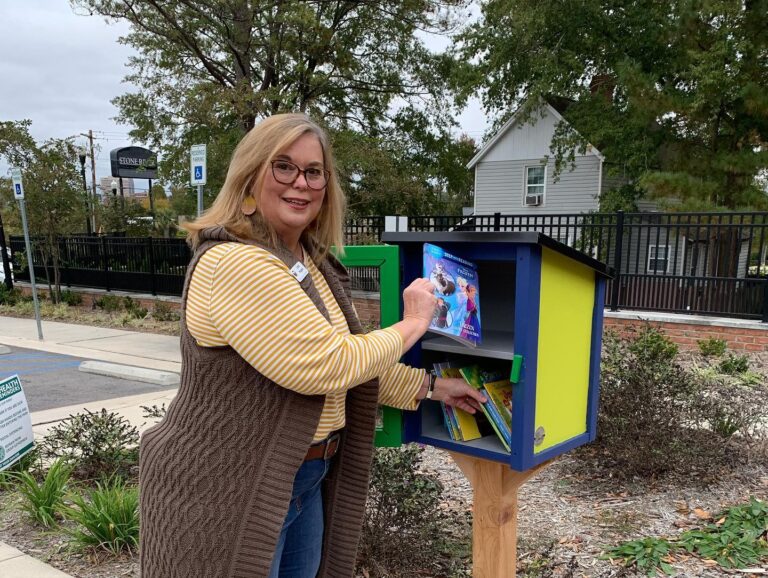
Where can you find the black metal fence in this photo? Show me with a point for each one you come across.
(703, 263)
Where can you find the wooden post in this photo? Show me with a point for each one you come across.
(494, 526)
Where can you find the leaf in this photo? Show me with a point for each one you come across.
(702, 514)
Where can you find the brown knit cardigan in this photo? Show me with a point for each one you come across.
(216, 474)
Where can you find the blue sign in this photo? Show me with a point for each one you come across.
(18, 189)
(198, 172)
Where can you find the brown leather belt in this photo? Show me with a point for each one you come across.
(325, 449)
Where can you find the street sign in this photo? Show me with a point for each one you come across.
(197, 164)
(16, 437)
(18, 187)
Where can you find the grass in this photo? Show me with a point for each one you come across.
(44, 501)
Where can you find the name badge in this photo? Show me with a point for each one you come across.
(299, 271)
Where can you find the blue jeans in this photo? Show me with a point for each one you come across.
(300, 545)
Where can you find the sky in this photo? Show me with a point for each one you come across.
(61, 70)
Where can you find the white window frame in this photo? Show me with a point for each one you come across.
(655, 257)
(543, 185)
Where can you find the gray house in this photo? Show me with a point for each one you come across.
(514, 171)
(514, 175)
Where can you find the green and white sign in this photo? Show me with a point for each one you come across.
(16, 437)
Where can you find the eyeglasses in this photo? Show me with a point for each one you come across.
(286, 173)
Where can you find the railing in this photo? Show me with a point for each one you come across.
(704, 263)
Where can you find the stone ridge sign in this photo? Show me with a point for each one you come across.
(136, 162)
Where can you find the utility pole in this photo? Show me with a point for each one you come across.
(93, 177)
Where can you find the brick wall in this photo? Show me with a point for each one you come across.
(686, 335)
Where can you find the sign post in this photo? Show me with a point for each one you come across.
(16, 437)
(18, 193)
(198, 172)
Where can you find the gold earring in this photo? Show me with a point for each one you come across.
(249, 206)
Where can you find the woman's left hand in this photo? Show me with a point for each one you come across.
(457, 393)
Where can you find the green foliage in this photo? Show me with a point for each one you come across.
(71, 298)
(648, 555)
(403, 509)
(107, 518)
(11, 297)
(712, 347)
(109, 303)
(670, 92)
(43, 501)
(327, 59)
(134, 310)
(163, 312)
(27, 463)
(650, 408)
(99, 445)
(153, 411)
(736, 540)
(734, 364)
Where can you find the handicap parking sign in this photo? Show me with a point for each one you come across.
(198, 172)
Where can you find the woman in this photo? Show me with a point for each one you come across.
(261, 465)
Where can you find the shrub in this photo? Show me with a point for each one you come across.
(403, 509)
(734, 364)
(649, 407)
(134, 310)
(164, 312)
(98, 445)
(107, 518)
(712, 347)
(43, 501)
(109, 303)
(71, 298)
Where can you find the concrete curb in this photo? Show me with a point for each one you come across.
(164, 378)
(4, 350)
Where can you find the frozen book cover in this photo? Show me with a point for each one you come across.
(458, 295)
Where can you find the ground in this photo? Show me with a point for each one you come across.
(568, 514)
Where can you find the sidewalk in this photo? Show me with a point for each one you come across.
(145, 350)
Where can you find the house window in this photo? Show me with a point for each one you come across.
(658, 258)
(535, 177)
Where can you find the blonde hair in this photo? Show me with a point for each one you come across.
(247, 169)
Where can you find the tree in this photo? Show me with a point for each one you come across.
(208, 69)
(673, 92)
(54, 199)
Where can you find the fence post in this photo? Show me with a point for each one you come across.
(765, 299)
(105, 262)
(152, 281)
(497, 221)
(618, 249)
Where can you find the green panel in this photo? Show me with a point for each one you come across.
(565, 344)
(389, 423)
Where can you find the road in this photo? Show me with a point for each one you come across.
(51, 380)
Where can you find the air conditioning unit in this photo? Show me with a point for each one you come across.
(534, 200)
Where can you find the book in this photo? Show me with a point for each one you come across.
(457, 289)
(500, 393)
(468, 426)
(503, 431)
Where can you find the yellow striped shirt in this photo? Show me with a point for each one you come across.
(245, 297)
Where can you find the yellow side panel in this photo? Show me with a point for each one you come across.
(565, 335)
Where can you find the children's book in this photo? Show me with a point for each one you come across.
(458, 295)
(503, 431)
(500, 393)
(448, 417)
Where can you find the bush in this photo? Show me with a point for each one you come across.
(98, 445)
(12, 297)
(164, 312)
(109, 303)
(44, 501)
(403, 509)
(712, 347)
(134, 310)
(734, 364)
(107, 518)
(27, 463)
(650, 407)
(71, 298)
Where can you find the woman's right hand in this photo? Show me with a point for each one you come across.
(419, 302)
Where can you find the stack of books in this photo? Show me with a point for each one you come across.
(497, 411)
